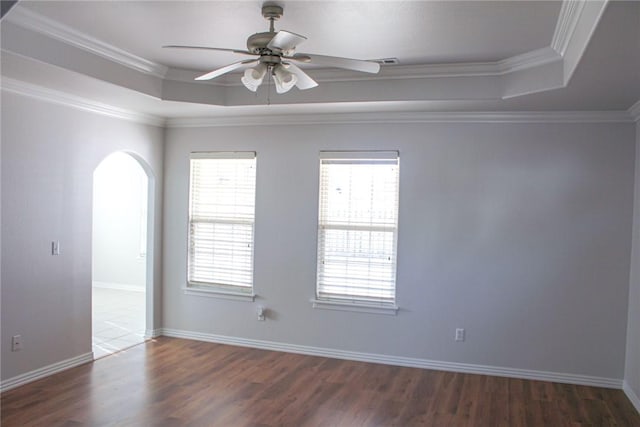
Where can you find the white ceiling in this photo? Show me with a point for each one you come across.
(426, 36)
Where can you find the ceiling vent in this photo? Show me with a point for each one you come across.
(387, 61)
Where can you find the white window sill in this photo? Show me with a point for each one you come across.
(390, 310)
(216, 293)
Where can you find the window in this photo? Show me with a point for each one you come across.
(357, 228)
(221, 222)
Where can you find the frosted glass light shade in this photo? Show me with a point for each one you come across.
(284, 79)
(253, 77)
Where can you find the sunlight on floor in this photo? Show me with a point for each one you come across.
(118, 320)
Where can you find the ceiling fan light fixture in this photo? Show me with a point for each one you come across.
(275, 52)
(249, 85)
(284, 79)
(253, 77)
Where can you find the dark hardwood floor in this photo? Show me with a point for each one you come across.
(174, 382)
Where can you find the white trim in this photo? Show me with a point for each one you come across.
(634, 111)
(51, 95)
(567, 21)
(576, 43)
(512, 64)
(354, 307)
(45, 371)
(118, 286)
(398, 360)
(35, 22)
(404, 72)
(215, 293)
(358, 155)
(222, 155)
(394, 72)
(406, 117)
(525, 61)
(518, 92)
(633, 397)
(152, 333)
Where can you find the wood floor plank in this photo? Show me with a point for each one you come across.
(175, 382)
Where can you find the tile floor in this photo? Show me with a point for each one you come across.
(118, 320)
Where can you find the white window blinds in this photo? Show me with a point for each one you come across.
(221, 220)
(357, 229)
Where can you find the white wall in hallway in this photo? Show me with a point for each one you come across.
(119, 222)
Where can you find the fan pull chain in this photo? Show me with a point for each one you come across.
(269, 71)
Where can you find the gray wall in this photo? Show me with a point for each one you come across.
(49, 153)
(632, 371)
(517, 232)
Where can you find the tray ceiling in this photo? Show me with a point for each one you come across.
(454, 55)
(415, 32)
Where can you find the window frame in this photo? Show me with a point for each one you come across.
(351, 302)
(215, 289)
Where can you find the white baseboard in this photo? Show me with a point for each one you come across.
(45, 371)
(633, 397)
(118, 286)
(341, 354)
(400, 361)
(152, 333)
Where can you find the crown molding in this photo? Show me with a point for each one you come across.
(528, 60)
(634, 111)
(50, 95)
(568, 18)
(387, 117)
(582, 26)
(406, 117)
(50, 28)
(395, 72)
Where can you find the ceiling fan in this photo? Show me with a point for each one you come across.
(275, 56)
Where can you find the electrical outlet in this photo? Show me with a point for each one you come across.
(459, 334)
(16, 343)
(260, 312)
(55, 247)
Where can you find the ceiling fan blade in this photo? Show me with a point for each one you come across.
(285, 40)
(220, 71)
(334, 61)
(242, 52)
(304, 81)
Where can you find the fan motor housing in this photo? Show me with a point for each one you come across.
(259, 41)
(272, 11)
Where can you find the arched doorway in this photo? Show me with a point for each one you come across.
(119, 254)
